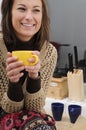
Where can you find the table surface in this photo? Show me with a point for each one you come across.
(65, 124)
(66, 102)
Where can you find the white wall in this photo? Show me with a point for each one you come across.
(68, 25)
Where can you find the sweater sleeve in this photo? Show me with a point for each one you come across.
(13, 99)
(6, 103)
(11, 106)
(36, 101)
(33, 85)
(15, 92)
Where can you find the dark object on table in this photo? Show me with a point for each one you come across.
(82, 65)
(76, 57)
(74, 112)
(70, 59)
(60, 72)
(57, 110)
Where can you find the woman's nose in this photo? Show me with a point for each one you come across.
(29, 15)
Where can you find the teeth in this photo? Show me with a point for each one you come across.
(28, 25)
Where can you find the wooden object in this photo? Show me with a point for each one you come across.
(58, 88)
(76, 85)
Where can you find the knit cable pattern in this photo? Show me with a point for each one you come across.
(36, 100)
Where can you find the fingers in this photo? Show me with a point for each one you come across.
(34, 59)
(15, 78)
(33, 69)
(14, 68)
(10, 59)
(14, 71)
(36, 67)
(36, 53)
(15, 74)
(9, 54)
(14, 65)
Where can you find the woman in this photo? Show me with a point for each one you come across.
(25, 26)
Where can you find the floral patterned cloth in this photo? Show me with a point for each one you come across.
(26, 120)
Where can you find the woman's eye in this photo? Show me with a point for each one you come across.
(36, 10)
(21, 9)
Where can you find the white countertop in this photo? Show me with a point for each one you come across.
(66, 102)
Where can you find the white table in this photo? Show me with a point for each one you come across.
(66, 102)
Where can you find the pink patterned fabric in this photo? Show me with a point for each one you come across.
(26, 120)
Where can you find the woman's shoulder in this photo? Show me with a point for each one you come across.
(48, 51)
(3, 50)
(1, 39)
(48, 46)
(51, 46)
(1, 35)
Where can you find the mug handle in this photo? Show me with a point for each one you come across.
(36, 60)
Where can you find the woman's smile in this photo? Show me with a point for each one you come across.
(27, 22)
(28, 26)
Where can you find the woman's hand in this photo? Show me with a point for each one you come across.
(14, 68)
(33, 70)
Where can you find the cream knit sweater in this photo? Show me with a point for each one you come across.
(32, 101)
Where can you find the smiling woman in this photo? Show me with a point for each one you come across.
(28, 19)
(25, 26)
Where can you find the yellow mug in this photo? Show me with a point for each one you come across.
(24, 55)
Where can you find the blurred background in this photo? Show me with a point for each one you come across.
(68, 27)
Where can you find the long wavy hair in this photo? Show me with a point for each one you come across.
(7, 29)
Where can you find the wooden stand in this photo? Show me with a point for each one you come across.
(58, 88)
(75, 85)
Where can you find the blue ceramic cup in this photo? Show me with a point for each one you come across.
(74, 112)
(57, 110)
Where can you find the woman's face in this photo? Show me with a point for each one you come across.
(26, 18)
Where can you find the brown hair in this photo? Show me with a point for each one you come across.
(7, 28)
